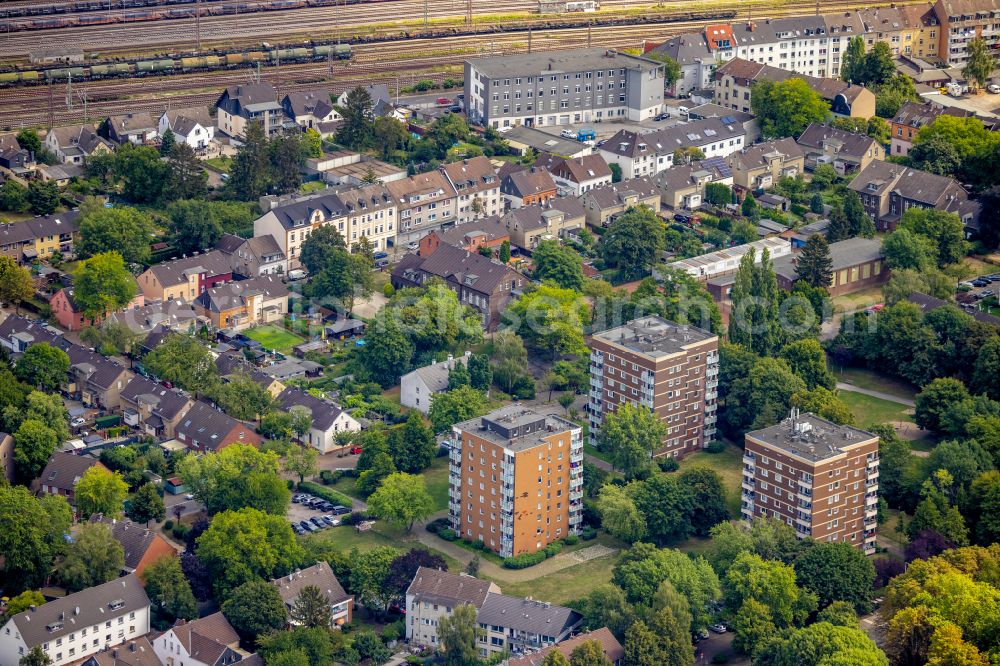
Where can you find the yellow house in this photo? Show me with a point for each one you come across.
(920, 33)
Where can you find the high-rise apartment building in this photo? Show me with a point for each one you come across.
(516, 480)
(673, 369)
(817, 476)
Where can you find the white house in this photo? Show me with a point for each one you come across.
(79, 625)
(319, 575)
(193, 126)
(328, 418)
(207, 641)
(419, 386)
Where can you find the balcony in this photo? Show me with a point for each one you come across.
(871, 513)
(712, 358)
(748, 484)
(712, 371)
(872, 474)
(804, 496)
(596, 382)
(597, 357)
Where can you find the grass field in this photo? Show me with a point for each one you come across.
(220, 164)
(565, 585)
(729, 465)
(869, 410)
(873, 381)
(347, 538)
(435, 477)
(273, 337)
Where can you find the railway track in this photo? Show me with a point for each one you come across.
(397, 63)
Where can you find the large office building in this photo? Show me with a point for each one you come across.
(673, 369)
(817, 476)
(516, 480)
(562, 87)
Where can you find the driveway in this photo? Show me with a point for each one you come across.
(717, 644)
(189, 507)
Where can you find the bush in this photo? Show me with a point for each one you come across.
(524, 388)
(588, 533)
(715, 446)
(388, 290)
(479, 545)
(436, 526)
(180, 532)
(327, 494)
(329, 477)
(524, 560)
(355, 517)
(668, 464)
(571, 540)
(168, 525)
(553, 549)
(394, 631)
(448, 534)
(720, 658)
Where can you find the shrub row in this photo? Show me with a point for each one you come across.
(525, 560)
(327, 494)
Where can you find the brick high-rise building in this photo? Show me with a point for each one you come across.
(819, 477)
(516, 480)
(672, 369)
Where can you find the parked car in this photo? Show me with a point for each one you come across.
(412, 245)
(318, 522)
(718, 628)
(330, 520)
(662, 116)
(77, 422)
(455, 108)
(189, 496)
(297, 528)
(306, 525)
(568, 134)
(356, 450)
(993, 88)
(443, 101)
(340, 510)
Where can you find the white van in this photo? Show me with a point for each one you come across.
(296, 274)
(568, 134)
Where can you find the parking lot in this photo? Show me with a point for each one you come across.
(982, 290)
(314, 511)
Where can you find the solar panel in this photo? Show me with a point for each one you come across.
(726, 120)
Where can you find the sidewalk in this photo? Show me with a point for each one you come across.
(876, 394)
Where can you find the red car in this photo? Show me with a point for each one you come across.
(443, 101)
(355, 450)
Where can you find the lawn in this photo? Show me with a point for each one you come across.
(729, 465)
(435, 477)
(220, 164)
(858, 300)
(887, 530)
(273, 337)
(346, 538)
(565, 585)
(873, 381)
(869, 410)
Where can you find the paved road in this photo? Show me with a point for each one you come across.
(876, 394)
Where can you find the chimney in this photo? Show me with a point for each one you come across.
(451, 361)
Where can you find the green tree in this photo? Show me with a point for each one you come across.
(480, 372)
(708, 498)
(641, 571)
(815, 265)
(666, 506)
(142, 172)
(14, 197)
(243, 398)
(457, 635)
(186, 361)
(858, 222)
(146, 505)
(287, 157)
(979, 65)
(944, 230)
(936, 512)
(255, 609)
(787, 107)
(301, 461)
(461, 404)
(807, 359)
(371, 647)
(169, 589)
(35, 657)
(642, 646)
(619, 514)
(245, 545)
(43, 366)
(550, 319)
(905, 249)
(34, 443)
(417, 445)
(555, 658)
(369, 571)
(392, 135)
(632, 242)
(102, 285)
(100, 491)
(22, 602)
(509, 358)
(753, 322)
(32, 532)
(937, 400)
(250, 174)
(356, 130)
(629, 436)
(387, 351)
(837, 572)
(94, 558)
(987, 369)
(752, 627)
(878, 66)
(186, 176)
(15, 282)
(236, 476)
(458, 376)
(124, 230)
(401, 499)
(167, 142)
(311, 608)
(43, 197)
(559, 264)
(375, 463)
(718, 194)
(853, 65)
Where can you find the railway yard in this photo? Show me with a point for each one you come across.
(404, 52)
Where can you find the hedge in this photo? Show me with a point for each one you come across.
(327, 494)
(525, 560)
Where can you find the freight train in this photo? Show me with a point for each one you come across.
(119, 10)
(274, 56)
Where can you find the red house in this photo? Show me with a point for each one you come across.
(66, 312)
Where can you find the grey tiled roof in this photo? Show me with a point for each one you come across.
(471, 269)
(134, 538)
(450, 589)
(167, 403)
(611, 196)
(85, 608)
(174, 272)
(323, 412)
(320, 575)
(527, 615)
(64, 469)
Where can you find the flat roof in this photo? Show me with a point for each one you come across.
(552, 62)
(654, 337)
(810, 437)
(516, 427)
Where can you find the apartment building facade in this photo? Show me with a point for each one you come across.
(670, 368)
(516, 479)
(562, 87)
(426, 201)
(819, 477)
(477, 188)
(961, 22)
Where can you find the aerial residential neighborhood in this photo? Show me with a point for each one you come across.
(556, 333)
